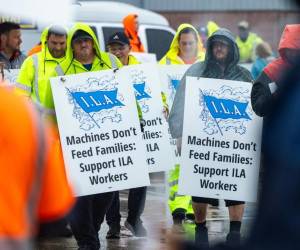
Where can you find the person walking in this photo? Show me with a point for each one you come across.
(84, 55)
(186, 48)
(33, 184)
(222, 57)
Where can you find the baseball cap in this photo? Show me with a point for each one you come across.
(80, 35)
(119, 38)
(243, 24)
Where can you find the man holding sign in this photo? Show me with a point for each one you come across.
(221, 61)
(84, 55)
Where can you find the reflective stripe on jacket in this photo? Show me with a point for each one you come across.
(32, 178)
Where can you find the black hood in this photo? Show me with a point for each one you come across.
(234, 50)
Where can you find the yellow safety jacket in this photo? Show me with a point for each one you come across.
(211, 28)
(172, 57)
(247, 48)
(34, 76)
(101, 61)
(132, 60)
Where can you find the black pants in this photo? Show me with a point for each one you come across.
(136, 205)
(86, 218)
(53, 229)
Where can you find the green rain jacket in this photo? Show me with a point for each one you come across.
(33, 78)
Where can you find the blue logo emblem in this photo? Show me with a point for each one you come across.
(225, 110)
(96, 101)
(175, 83)
(142, 91)
(139, 90)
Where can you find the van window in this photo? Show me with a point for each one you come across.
(158, 41)
(95, 30)
(108, 31)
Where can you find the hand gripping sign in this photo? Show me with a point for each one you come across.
(100, 132)
(146, 83)
(221, 141)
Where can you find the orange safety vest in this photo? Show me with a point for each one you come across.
(33, 183)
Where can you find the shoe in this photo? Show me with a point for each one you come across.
(88, 247)
(201, 237)
(233, 239)
(137, 230)
(51, 232)
(190, 217)
(178, 216)
(113, 232)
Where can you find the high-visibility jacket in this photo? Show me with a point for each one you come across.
(172, 57)
(132, 33)
(132, 60)
(247, 48)
(211, 28)
(34, 76)
(102, 60)
(32, 178)
(177, 201)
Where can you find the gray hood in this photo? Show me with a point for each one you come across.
(209, 69)
(234, 50)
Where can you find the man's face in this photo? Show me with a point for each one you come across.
(188, 44)
(220, 51)
(83, 49)
(57, 45)
(243, 34)
(12, 40)
(119, 50)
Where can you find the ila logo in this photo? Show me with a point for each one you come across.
(225, 110)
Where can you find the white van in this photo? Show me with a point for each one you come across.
(105, 18)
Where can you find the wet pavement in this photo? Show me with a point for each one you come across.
(158, 221)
